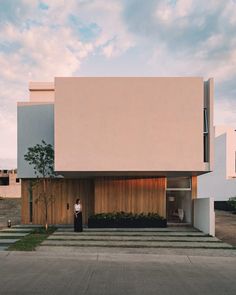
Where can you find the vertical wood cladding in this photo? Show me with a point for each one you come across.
(194, 187)
(65, 192)
(130, 195)
(99, 195)
(194, 194)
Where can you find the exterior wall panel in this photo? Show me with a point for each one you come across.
(65, 191)
(131, 195)
(101, 195)
(129, 124)
(34, 124)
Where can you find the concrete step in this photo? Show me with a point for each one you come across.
(155, 254)
(137, 244)
(7, 241)
(166, 229)
(131, 238)
(8, 235)
(3, 248)
(22, 227)
(138, 234)
(16, 230)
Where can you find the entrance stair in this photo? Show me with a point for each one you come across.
(173, 237)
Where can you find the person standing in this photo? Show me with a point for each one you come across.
(78, 216)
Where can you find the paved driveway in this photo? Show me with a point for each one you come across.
(226, 227)
(45, 273)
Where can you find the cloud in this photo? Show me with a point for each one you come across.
(43, 39)
(225, 112)
(190, 38)
(40, 39)
(8, 137)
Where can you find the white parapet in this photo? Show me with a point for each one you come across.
(204, 215)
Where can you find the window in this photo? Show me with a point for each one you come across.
(4, 180)
(178, 183)
(206, 128)
(206, 136)
(235, 162)
(17, 180)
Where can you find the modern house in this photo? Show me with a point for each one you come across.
(121, 144)
(221, 183)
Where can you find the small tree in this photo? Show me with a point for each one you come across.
(41, 157)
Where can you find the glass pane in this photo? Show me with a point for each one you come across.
(206, 148)
(179, 182)
(205, 121)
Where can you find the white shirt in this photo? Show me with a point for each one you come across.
(78, 207)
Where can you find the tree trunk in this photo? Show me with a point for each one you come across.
(46, 217)
(45, 204)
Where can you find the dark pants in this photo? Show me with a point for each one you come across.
(78, 222)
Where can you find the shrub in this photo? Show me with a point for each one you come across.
(232, 203)
(126, 219)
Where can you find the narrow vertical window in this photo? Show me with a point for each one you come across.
(206, 136)
(235, 162)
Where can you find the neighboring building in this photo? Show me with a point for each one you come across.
(10, 186)
(121, 144)
(221, 183)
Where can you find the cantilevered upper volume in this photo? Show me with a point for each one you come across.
(146, 125)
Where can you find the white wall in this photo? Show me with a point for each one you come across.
(218, 183)
(186, 201)
(34, 124)
(204, 215)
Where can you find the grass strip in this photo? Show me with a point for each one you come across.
(32, 240)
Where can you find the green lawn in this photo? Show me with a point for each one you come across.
(31, 241)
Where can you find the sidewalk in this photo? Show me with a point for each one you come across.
(115, 273)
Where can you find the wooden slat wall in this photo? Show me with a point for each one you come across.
(65, 191)
(130, 195)
(194, 187)
(101, 195)
(194, 194)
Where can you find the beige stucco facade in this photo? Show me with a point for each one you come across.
(130, 124)
(41, 91)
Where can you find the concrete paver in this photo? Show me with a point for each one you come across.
(9, 236)
(130, 230)
(12, 234)
(16, 230)
(2, 248)
(133, 238)
(8, 241)
(90, 233)
(135, 244)
(65, 251)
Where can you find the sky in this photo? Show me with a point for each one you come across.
(43, 39)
